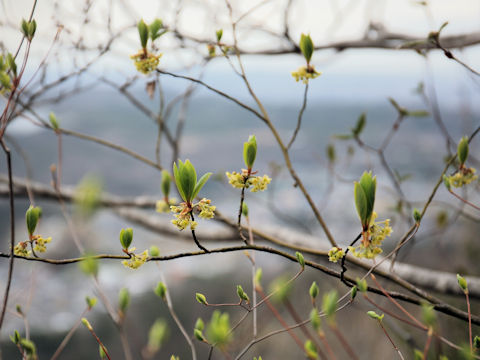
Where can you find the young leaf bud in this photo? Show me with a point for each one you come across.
(241, 294)
(91, 302)
(313, 290)
(126, 237)
(362, 285)
(198, 334)
(101, 352)
(315, 319)
(165, 184)
(123, 299)
(199, 324)
(87, 324)
(143, 33)
(300, 259)
(417, 216)
(250, 151)
(15, 337)
(244, 209)
(161, 290)
(360, 125)
(476, 342)
(89, 265)
(310, 350)
(375, 316)
(353, 292)
(446, 182)
(53, 121)
(31, 216)
(462, 283)
(306, 46)
(462, 150)
(201, 298)
(154, 251)
(219, 34)
(329, 305)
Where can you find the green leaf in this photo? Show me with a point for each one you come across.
(198, 335)
(306, 46)
(329, 305)
(219, 34)
(315, 319)
(360, 125)
(165, 184)
(123, 299)
(369, 186)
(176, 175)
(155, 28)
(143, 33)
(157, 335)
(362, 285)
(462, 283)
(126, 237)
(31, 216)
(11, 64)
(201, 298)
(418, 113)
(188, 179)
(353, 292)
(53, 121)
(199, 324)
(250, 151)
(310, 350)
(462, 150)
(361, 203)
(241, 294)
(313, 290)
(300, 259)
(89, 265)
(200, 184)
(25, 29)
(161, 290)
(417, 216)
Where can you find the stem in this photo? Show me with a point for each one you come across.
(391, 341)
(299, 120)
(69, 335)
(344, 268)
(195, 236)
(100, 343)
(469, 321)
(427, 344)
(12, 230)
(240, 211)
(344, 342)
(464, 200)
(254, 270)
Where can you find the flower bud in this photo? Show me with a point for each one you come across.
(462, 283)
(201, 298)
(161, 290)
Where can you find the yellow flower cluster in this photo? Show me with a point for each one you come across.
(258, 183)
(182, 217)
(164, 207)
(21, 249)
(305, 73)
(207, 211)
(145, 62)
(378, 231)
(462, 177)
(40, 243)
(335, 254)
(135, 260)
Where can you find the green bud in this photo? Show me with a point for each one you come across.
(476, 342)
(199, 324)
(362, 285)
(315, 319)
(89, 265)
(198, 334)
(25, 29)
(219, 34)
(32, 28)
(241, 294)
(418, 354)
(258, 277)
(428, 315)
(53, 121)
(375, 316)
(29, 347)
(218, 329)
(250, 151)
(417, 216)
(15, 337)
(300, 259)
(157, 335)
(165, 184)
(87, 324)
(5, 80)
(401, 110)
(310, 350)
(31, 216)
(123, 299)
(186, 180)
(156, 29)
(462, 150)
(91, 302)
(11, 64)
(244, 209)
(154, 251)
(462, 283)
(18, 308)
(143, 33)
(126, 237)
(281, 288)
(101, 352)
(160, 290)
(446, 182)
(353, 292)
(329, 305)
(314, 290)
(360, 125)
(364, 194)
(331, 153)
(306, 46)
(201, 298)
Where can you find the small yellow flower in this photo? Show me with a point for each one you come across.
(235, 179)
(21, 249)
(40, 243)
(305, 73)
(163, 207)
(259, 183)
(207, 211)
(378, 231)
(335, 254)
(463, 176)
(145, 62)
(135, 260)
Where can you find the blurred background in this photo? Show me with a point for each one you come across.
(81, 70)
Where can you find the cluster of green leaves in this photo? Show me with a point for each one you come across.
(29, 28)
(7, 66)
(152, 31)
(186, 180)
(364, 194)
(27, 346)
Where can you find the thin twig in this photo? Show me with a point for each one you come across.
(299, 119)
